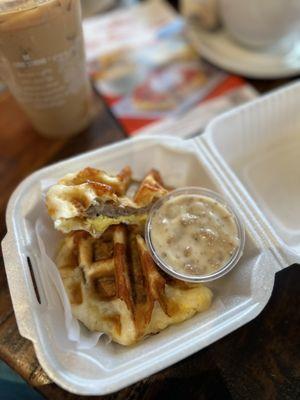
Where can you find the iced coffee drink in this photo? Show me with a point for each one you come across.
(42, 62)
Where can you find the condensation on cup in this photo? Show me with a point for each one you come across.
(42, 62)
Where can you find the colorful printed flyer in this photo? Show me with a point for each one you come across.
(149, 75)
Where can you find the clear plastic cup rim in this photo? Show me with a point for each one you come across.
(192, 277)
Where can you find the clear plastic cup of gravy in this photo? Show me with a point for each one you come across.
(194, 234)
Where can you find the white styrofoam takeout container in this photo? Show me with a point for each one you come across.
(250, 155)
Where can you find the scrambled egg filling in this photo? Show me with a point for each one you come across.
(99, 224)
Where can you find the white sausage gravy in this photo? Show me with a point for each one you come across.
(194, 234)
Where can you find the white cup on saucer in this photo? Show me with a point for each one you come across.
(261, 23)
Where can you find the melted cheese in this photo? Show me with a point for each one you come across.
(96, 226)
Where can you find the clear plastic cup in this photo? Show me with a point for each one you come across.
(192, 277)
(42, 61)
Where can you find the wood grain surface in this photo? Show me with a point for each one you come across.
(259, 361)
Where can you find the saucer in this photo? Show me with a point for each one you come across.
(221, 50)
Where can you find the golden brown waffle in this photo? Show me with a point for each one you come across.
(91, 200)
(114, 286)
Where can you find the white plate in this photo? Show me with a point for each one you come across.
(221, 50)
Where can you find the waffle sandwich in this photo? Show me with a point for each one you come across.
(110, 278)
(91, 200)
(114, 286)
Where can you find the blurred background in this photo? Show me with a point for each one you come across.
(162, 66)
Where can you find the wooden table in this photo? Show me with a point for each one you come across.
(259, 361)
